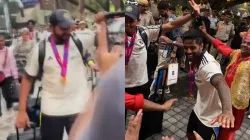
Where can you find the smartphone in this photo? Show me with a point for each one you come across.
(116, 29)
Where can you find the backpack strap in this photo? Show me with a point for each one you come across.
(144, 35)
(41, 57)
(86, 57)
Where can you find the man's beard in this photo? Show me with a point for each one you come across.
(61, 39)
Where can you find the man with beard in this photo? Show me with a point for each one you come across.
(213, 106)
(63, 97)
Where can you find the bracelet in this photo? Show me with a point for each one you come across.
(91, 62)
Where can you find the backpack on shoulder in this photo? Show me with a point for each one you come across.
(34, 110)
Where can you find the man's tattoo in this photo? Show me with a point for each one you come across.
(218, 81)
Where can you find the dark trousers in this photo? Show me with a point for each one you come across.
(52, 127)
(144, 89)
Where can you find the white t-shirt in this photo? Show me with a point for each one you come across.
(137, 73)
(213, 22)
(44, 35)
(57, 99)
(208, 105)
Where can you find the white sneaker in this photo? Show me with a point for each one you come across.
(159, 91)
(248, 116)
(167, 90)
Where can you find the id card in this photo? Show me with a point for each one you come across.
(172, 74)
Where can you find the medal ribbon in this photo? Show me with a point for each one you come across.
(64, 64)
(129, 48)
(191, 80)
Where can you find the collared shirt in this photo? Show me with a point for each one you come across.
(224, 31)
(146, 19)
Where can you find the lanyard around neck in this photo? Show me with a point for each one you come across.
(129, 47)
(64, 64)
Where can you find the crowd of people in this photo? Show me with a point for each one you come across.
(199, 39)
(61, 56)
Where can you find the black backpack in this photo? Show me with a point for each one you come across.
(42, 51)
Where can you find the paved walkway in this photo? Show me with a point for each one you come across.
(175, 121)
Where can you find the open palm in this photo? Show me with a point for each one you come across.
(195, 7)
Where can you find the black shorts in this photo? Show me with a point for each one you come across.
(207, 133)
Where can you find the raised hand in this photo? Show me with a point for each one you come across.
(203, 29)
(105, 59)
(195, 7)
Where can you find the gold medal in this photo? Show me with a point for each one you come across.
(63, 80)
(191, 96)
